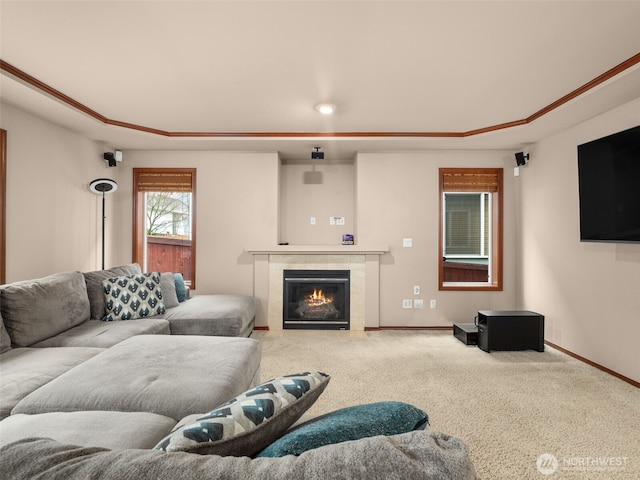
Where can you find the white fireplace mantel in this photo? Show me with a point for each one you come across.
(363, 262)
(318, 250)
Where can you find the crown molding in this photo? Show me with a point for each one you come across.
(48, 90)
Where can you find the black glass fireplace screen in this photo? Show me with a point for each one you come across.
(316, 299)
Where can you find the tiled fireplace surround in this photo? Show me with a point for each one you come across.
(364, 265)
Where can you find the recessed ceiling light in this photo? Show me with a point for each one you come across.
(326, 108)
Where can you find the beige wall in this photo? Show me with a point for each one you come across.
(397, 197)
(237, 202)
(53, 220)
(588, 292)
(300, 200)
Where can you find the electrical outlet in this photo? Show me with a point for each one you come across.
(432, 303)
(416, 289)
(407, 303)
(332, 220)
(418, 303)
(339, 220)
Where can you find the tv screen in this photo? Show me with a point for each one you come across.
(609, 186)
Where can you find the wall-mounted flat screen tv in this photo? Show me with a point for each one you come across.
(609, 185)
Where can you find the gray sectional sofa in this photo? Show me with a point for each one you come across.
(84, 398)
(52, 333)
(66, 309)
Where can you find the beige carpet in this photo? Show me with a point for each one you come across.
(509, 407)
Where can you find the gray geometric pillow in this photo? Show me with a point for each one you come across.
(248, 423)
(168, 286)
(132, 296)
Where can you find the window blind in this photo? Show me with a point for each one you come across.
(470, 181)
(164, 181)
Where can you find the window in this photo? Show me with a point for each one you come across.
(470, 240)
(164, 220)
(468, 225)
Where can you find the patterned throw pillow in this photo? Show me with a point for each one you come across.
(132, 296)
(246, 424)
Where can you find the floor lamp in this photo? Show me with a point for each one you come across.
(102, 186)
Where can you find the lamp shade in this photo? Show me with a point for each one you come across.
(102, 186)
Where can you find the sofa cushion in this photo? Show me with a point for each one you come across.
(168, 286)
(96, 333)
(5, 339)
(26, 369)
(419, 455)
(95, 292)
(246, 424)
(223, 315)
(33, 310)
(351, 423)
(114, 430)
(172, 376)
(132, 296)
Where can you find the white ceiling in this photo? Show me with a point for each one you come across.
(260, 66)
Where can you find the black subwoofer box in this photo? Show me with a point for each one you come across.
(467, 333)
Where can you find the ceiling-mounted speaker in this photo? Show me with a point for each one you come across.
(522, 158)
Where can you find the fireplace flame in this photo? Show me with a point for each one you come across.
(318, 298)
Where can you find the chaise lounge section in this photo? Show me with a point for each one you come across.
(174, 376)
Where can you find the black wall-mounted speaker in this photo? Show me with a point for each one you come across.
(521, 158)
(110, 158)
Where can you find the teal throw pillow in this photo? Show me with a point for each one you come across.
(181, 288)
(352, 423)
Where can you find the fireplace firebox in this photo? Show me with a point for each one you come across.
(316, 299)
